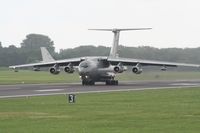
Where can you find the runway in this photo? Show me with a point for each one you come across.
(24, 90)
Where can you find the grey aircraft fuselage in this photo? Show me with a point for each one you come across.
(95, 69)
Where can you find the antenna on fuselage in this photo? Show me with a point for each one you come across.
(114, 48)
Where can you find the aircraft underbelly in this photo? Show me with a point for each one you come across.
(101, 75)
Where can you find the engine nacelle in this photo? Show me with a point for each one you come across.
(36, 69)
(136, 70)
(54, 70)
(69, 69)
(118, 69)
(163, 68)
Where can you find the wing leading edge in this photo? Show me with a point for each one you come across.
(73, 61)
(133, 62)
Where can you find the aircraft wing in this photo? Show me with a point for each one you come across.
(129, 61)
(73, 61)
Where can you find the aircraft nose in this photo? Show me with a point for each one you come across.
(83, 68)
(81, 71)
(87, 68)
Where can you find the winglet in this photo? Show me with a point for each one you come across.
(46, 57)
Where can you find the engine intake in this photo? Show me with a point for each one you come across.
(54, 70)
(136, 70)
(118, 69)
(69, 69)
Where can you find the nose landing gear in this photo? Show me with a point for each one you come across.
(88, 82)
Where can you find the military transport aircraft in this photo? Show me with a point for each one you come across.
(100, 68)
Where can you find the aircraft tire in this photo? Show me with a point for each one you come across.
(91, 82)
(107, 82)
(83, 82)
(111, 82)
(88, 82)
(116, 82)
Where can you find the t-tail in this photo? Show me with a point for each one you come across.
(114, 48)
(46, 56)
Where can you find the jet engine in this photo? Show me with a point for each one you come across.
(54, 70)
(136, 70)
(69, 69)
(164, 68)
(118, 69)
(36, 69)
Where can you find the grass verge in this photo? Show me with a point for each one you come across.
(32, 77)
(149, 111)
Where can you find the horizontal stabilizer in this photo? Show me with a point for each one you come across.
(114, 30)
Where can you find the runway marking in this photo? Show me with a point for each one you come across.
(103, 91)
(13, 88)
(46, 87)
(50, 90)
(184, 84)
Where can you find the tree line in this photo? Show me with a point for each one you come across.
(29, 52)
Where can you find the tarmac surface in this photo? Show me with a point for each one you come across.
(25, 90)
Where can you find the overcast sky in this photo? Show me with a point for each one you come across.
(175, 23)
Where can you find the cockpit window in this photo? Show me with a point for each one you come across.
(84, 64)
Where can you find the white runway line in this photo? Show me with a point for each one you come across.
(185, 84)
(49, 90)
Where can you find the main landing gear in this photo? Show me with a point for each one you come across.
(111, 82)
(88, 82)
(107, 82)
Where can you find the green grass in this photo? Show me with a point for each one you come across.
(27, 77)
(159, 75)
(150, 111)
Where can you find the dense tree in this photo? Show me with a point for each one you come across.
(84, 51)
(35, 41)
(31, 46)
(30, 52)
(11, 55)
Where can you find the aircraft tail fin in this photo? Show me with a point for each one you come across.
(46, 56)
(114, 48)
